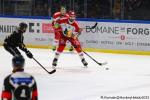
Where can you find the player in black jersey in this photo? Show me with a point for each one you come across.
(15, 40)
(19, 85)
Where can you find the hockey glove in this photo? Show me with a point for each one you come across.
(29, 54)
(75, 35)
(23, 47)
(56, 25)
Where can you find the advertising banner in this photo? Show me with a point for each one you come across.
(39, 32)
(116, 36)
(106, 35)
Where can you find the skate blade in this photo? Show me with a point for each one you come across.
(85, 67)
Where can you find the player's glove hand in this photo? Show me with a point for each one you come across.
(56, 25)
(23, 47)
(75, 35)
(29, 54)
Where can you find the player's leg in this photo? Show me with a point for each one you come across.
(12, 50)
(62, 44)
(76, 44)
(56, 40)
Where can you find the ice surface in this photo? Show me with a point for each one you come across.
(129, 75)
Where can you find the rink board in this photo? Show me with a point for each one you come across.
(129, 37)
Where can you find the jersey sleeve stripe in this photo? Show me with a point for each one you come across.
(6, 94)
(34, 94)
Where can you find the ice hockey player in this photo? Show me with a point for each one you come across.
(15, 40)
(57, 16)
(19, 85)
(70, 32)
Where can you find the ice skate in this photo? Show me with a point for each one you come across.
(54, 64)
(84, 63)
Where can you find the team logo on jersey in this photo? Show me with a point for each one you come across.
(21, 80)
(67, 30)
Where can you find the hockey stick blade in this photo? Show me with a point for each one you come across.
(103, 63)
(53, 71)
(94, 26)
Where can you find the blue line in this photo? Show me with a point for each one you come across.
(80, 19)
(113, 21)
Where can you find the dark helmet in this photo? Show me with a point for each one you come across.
(18, 61)
(23, 25)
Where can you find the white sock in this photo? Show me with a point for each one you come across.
(68, 43)
(81, 55)
(55, 42)
(57, 54)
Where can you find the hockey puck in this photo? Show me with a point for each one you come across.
(107, 68)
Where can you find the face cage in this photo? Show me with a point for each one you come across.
(72, 17)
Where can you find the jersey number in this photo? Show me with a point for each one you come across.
(22, 93)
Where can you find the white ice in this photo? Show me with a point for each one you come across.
(129, 75)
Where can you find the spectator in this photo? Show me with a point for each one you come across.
(38, 10)
(117, 9)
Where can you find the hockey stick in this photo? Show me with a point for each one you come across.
(94, 26)
(51, 72)
(101, 64)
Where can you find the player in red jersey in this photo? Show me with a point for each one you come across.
(69, 32)
(57, 16)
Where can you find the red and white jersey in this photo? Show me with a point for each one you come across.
(58, 16)
(68, 27)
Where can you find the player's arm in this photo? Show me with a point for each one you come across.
(6, 92)
(77, 28)
(80, 31)
(61, 21)
(77, 31)
(56, 17)
(22, 46)
(35, 92)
